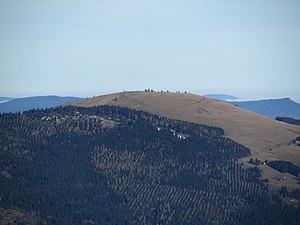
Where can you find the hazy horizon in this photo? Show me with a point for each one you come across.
(248, 49)
(238, 98)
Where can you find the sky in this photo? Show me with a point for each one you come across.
(246, 48)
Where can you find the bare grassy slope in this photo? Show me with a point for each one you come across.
(267, 139)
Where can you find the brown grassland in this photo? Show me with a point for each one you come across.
(267, 138)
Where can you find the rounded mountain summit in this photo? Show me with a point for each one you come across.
(267, 138)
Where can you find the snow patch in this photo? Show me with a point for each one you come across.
(181, 136)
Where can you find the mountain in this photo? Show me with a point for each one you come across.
(266, 138)
(221, 97)
(272, 108)
(115, 165)
(5, 99)
(22, 104)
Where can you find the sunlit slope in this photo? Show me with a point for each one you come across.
(267, 139)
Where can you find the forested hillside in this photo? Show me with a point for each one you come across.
(113, 165)
(288, 120)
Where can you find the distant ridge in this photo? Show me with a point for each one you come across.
(5, 99)
(22, 104)
(272, 108)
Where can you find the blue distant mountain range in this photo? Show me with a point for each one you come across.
(37, 102)
(284, 107)
(5, 99)
(272, 107)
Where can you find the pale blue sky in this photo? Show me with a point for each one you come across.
(247, 48)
